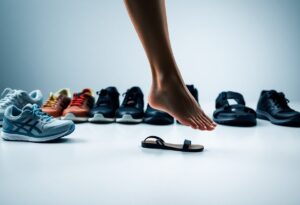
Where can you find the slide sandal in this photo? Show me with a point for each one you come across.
(236, 114)
(154, 142)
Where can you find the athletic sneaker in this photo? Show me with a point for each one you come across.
(32, 125)
(80, 106)
(156, 117)
(273, 106)
(106, 105)
(19, 98)
(132, 108)
(57, 102)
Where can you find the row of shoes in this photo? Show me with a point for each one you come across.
(272, 106)
(23, 120)
(107, 108)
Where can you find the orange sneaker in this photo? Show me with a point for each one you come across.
(80, 106)
(57, 102)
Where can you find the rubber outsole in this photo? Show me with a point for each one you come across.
(128, 119)
(100, 118)
(248, 121)
(25, 138)
(291, 122)
(71, 116)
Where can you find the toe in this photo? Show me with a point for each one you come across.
(200, 123)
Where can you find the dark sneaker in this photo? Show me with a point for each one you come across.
(273, 106)
(194, 93)
(132, 108)
(106, 105)
(156, 117)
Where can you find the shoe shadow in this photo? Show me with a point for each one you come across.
(65, 140)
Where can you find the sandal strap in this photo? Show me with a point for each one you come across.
(222, 99)
(186, 144)
(159, 140)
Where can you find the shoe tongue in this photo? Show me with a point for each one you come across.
(51, 96)
(135, 89)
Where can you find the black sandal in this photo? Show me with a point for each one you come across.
(234, 115)
(159, 143)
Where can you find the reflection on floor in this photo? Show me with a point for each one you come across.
(104, 164)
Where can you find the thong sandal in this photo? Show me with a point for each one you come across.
(154, 142)
(234, 115)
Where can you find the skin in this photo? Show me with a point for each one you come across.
(168, 91)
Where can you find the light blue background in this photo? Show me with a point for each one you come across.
(244, 46)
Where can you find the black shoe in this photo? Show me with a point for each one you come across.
(132, 108)
(194, 93)
(156, 117)
(233, 115)
(106, 105)
(273, 106)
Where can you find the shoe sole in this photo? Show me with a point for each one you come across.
(158, 121)
(100, 118)
(71, 116)
(25, 138)
(266, 116)
(128, 119)
(245, 121)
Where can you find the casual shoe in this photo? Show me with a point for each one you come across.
(106, 105)
(80, 106)
(273, 106)
(32, 125)
(19, 98)
(57, 102)
(194, 93)
(156, 117)
(132, 108)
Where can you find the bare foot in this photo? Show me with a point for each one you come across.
(174, 98)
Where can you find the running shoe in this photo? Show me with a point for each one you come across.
(80, 106)
(132, 108)
(156, 117)
(106, 105)
(32, 125)
(57, 102)
(19, 98)
(273, 106)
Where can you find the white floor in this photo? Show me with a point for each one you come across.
(104, 164)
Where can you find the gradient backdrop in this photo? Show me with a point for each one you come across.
(244, 46)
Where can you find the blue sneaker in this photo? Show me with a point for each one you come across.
(18, 98)
(32, 125)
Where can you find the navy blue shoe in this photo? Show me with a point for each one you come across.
(132, 108)
(156, 117)
(106, 106)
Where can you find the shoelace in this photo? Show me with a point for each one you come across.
(51, 102)
(36, 110)
(103, 98)
(279, 100)
(130, 98)
(78, 100)
(10, 97)
(5, 91)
